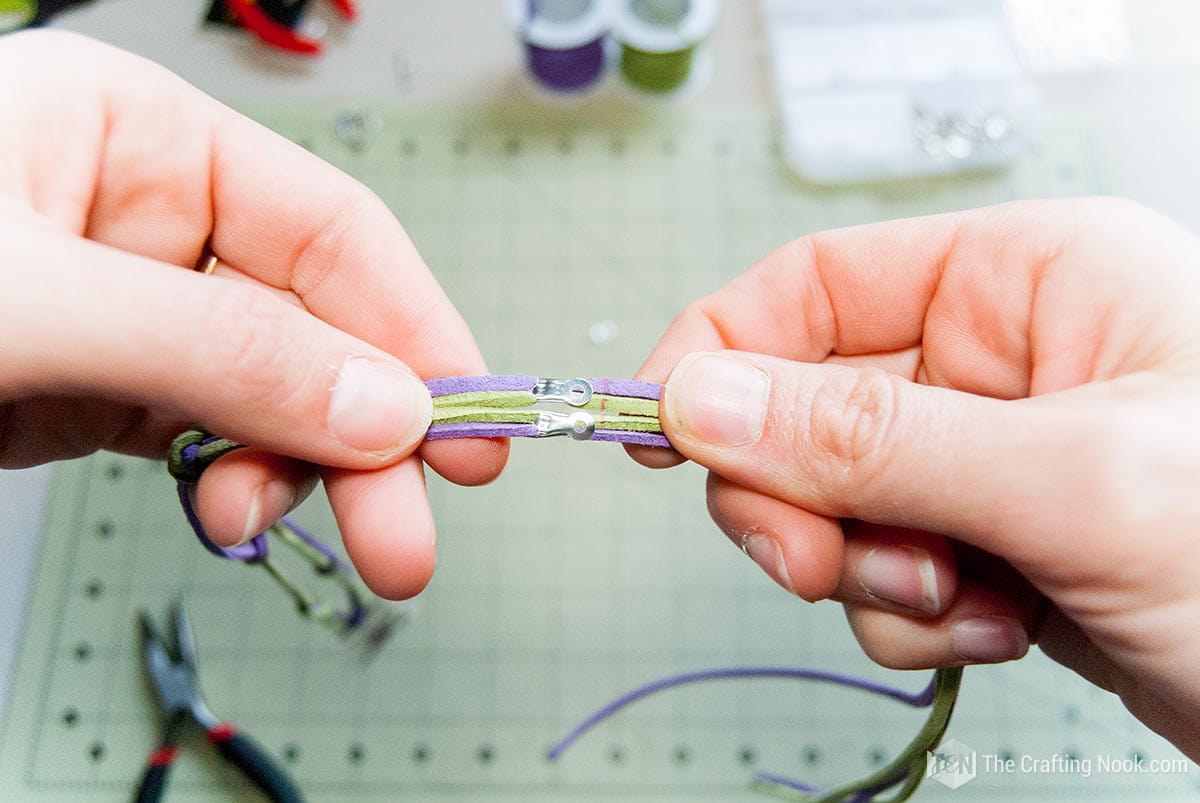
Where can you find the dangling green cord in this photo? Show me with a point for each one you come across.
(190, 454)
(309, 604)
(909, 766)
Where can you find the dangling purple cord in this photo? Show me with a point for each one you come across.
(916, 699)
(861, 796)
(335, 563)
(255, 550)
(252, 551)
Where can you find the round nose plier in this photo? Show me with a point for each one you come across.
(171, 666)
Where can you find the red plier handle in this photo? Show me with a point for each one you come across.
(251, 16)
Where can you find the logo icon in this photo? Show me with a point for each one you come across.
(951, 764)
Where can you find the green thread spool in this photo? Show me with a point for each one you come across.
(659, 39)
(16, 14)
(656, 72)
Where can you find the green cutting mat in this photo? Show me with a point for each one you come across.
(578, 574)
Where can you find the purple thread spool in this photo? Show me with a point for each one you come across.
(564, 40)
(566, 69)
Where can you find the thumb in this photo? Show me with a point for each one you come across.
(868, 445)
(88, 320)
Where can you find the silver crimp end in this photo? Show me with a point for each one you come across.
(580, 426)
(575, 392)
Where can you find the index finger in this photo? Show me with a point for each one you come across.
(178, 169)
(297, 223)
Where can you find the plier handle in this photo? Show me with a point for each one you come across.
(251, 16)
(171, 666)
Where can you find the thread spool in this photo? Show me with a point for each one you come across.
(564, 40)
(659, 40)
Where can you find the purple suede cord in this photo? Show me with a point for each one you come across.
(450, 385)
(800, 786)
(480, 430)
(488, 430)
(250, 552)
(918, 699)
(255, 550)
(356, 614)
(304, 535)
(630, 437)
(627, 387)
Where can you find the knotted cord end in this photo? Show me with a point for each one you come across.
(194, 451)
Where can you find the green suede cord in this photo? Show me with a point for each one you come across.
(909, 765)
(206, 455)
(629, 423)
(492, 415)
(623, 405)
(510, 399)
(486, 398)
(489, 415)
(308, 604)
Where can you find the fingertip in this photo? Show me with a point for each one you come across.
(378, 407)
(386, 525)
(989, 639)
(655, 457)
(895, 641)
(715, 404)
(800, 550)
(470, 462)
(898, 569)
(983, 626)
(396, 586)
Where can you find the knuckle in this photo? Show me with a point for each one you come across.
(254, 339)
(851, 417)
(319, 255)
(1123, 455)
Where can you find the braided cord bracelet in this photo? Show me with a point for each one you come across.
(620, 411)
(613, 410)
(194, 451)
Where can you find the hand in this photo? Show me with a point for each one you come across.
(114, 174)
(976, 430)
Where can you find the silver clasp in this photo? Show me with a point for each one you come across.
(575, 392)
(580, 426)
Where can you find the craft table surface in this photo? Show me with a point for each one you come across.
(1129, 131)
